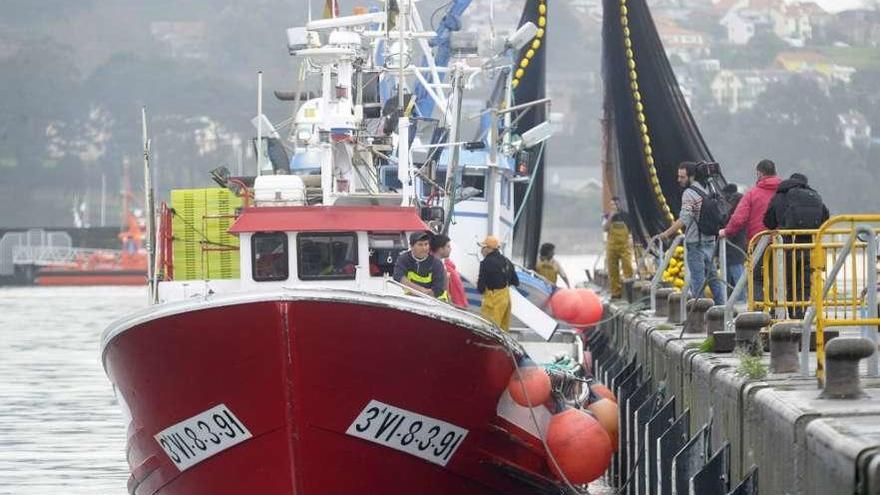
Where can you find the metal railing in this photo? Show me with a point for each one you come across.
(664, 263)
(842, 299)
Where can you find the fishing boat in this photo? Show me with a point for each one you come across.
(312, 371)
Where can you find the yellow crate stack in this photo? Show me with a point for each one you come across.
(202, 247)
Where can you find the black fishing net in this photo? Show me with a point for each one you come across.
(674, 136)
(527, 232)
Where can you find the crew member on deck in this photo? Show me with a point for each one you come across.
(497, 274)
(617, 252)
(548, 267)
(420, 271)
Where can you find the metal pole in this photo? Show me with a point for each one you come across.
(103, 199)
(870, 332)
(722, 260)
(687, 283)
(658, 275)
(259, 123)
(779, 279)
(151, 212)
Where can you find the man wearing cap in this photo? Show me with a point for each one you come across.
(420, 271)
(496, 275)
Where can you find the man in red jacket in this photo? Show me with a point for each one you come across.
(749, 213)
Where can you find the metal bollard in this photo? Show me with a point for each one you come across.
(714, 320)
(673, 308)
(747, 326)
(695, 320)
(842, 358)
(784, 339)
(628, 290)
(642, 291)
(662, 298)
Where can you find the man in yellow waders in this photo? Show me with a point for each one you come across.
(547, 265)
(618, 253)
(497, 274)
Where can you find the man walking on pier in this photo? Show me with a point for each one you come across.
(749, 215)
(697, 204)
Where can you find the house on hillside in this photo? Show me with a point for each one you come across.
(813, 62)
(743, 24)
(738, 90)
(854, 129)
(686, 44)
(857, 27)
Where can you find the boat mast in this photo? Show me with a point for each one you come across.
(403, 165)
(259, 123)
(151, 214)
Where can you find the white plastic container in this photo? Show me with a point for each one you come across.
(279, 190)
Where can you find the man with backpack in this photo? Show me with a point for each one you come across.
(749, 215)
(796, 206)
(701, 218)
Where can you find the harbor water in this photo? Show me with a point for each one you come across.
(61, 430)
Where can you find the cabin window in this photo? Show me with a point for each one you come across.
(505, 192)
(384, 249)
(327, 256)
(473, 184)
(269, 256)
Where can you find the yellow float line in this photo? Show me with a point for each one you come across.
(640, 115)
(536, 44)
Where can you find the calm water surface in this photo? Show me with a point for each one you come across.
(60, 428)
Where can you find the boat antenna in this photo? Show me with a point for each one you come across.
(151, 213)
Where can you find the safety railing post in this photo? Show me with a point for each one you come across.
(722, 260)
(658, 275)
(870, 332)
(687, 283)
(779, 278)
(758, 253)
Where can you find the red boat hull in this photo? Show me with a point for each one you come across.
(297, 373)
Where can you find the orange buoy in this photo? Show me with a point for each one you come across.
(607, 415)
(603, 391)
(580, 445)
(530, 385)
(590, 309)
(565, 304)
(578, 307)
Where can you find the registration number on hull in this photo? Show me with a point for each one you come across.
(422, 436)
(195, 439)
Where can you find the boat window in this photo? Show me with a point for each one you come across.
(384, 249)
(327, 256)
(473, 184)
(427, 188)
(505, 192)
(269, 256)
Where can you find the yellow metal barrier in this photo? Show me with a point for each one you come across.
(840, 301)
(818, 275)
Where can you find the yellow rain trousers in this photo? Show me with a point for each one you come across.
(618, 254)
(496, 307)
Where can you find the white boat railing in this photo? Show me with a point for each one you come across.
(58, 255)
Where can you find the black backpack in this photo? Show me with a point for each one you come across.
(714, 213)
(804, 209)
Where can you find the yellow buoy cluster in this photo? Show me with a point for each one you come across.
(640, 112)
(532, 49)
(674, 273)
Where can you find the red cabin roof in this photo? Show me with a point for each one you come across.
(328, 219)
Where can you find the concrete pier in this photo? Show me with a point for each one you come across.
(802, 443)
